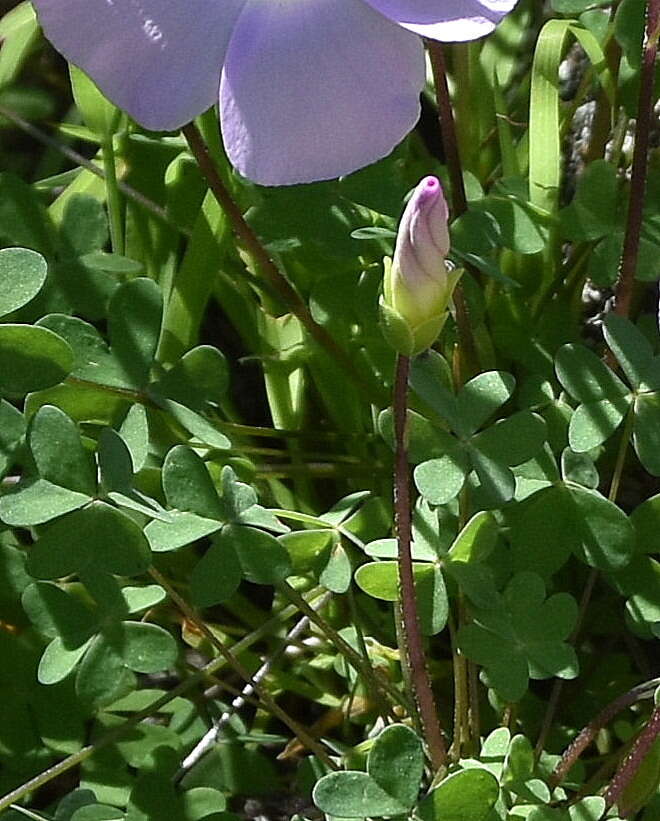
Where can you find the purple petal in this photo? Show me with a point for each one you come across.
(159, 60)
(446, 20)
(309, 94)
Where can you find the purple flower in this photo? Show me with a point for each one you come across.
(309, 89)
(418, 284)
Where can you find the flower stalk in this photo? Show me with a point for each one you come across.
(414, 648)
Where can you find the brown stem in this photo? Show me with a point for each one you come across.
(624, 287)
(591, 730)
(278, 282)
(459, 199)
(419, 675)
(447, 127)
(266, 699)
(635, 758)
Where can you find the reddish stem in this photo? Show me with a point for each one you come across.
(635, 758)
(419, 676)
(630, 253)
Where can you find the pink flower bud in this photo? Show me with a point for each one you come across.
(423, 239)
(418, 285)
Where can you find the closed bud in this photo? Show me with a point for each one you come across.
(418, 283)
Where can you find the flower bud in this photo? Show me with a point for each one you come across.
(418, 284)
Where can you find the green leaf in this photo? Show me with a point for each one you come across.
(336, 575)
(479, 398)
(198, 427)
(143, 598)
(381, 580)
(182, 529)
(468, 795)
(543, 533)
(629, 30)
(430, 379)
(32, 358)
(631, 348)
(579, 469)
(115, 463)
(497, 481)
(102, 674)
(424, 439)
(188, 485)
(585, 376)
(513, 440)
(476, 540)
(441, 480)
(145, 648)
(307, 547)
(389, 787)
(200, 377)
(640, 580)
(594, 422)
(646, 521)
(58, 660)
(134, 430)
(58, 452)
(98, 812)
(354, 795)
(37, 501)
(217, 575)
(523, 636)
(22, 275)
(134, 319)
(98, 536)
(12, 430)
(396, 763)
(263, 559)
(519, 763)
(646, 431)
(606, 534)
(93, 361)
(201, 802)
(56, 613)
(594, 211)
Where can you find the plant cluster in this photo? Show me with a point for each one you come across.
(266, 547)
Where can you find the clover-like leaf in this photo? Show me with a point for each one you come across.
(22, 275)
(98, 536)
(468, 795)
(525, 636)
(381, 580)
(389, 787)
(32, 358)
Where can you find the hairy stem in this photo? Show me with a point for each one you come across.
(589, 733)
(624, 287)
(419, 675)
(635, 758)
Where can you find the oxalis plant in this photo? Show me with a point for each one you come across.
(329, 433)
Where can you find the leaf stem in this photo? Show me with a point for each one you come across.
(591, 730)
(459, 199)
(269, 270)
(414, 647)
(114, 735)
(624, 287)
(113, 196)
(635, 758)
(267, 700)
(376, 684)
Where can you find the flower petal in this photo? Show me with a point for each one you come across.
(159, 60)
(309, 94)
(446, 20)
